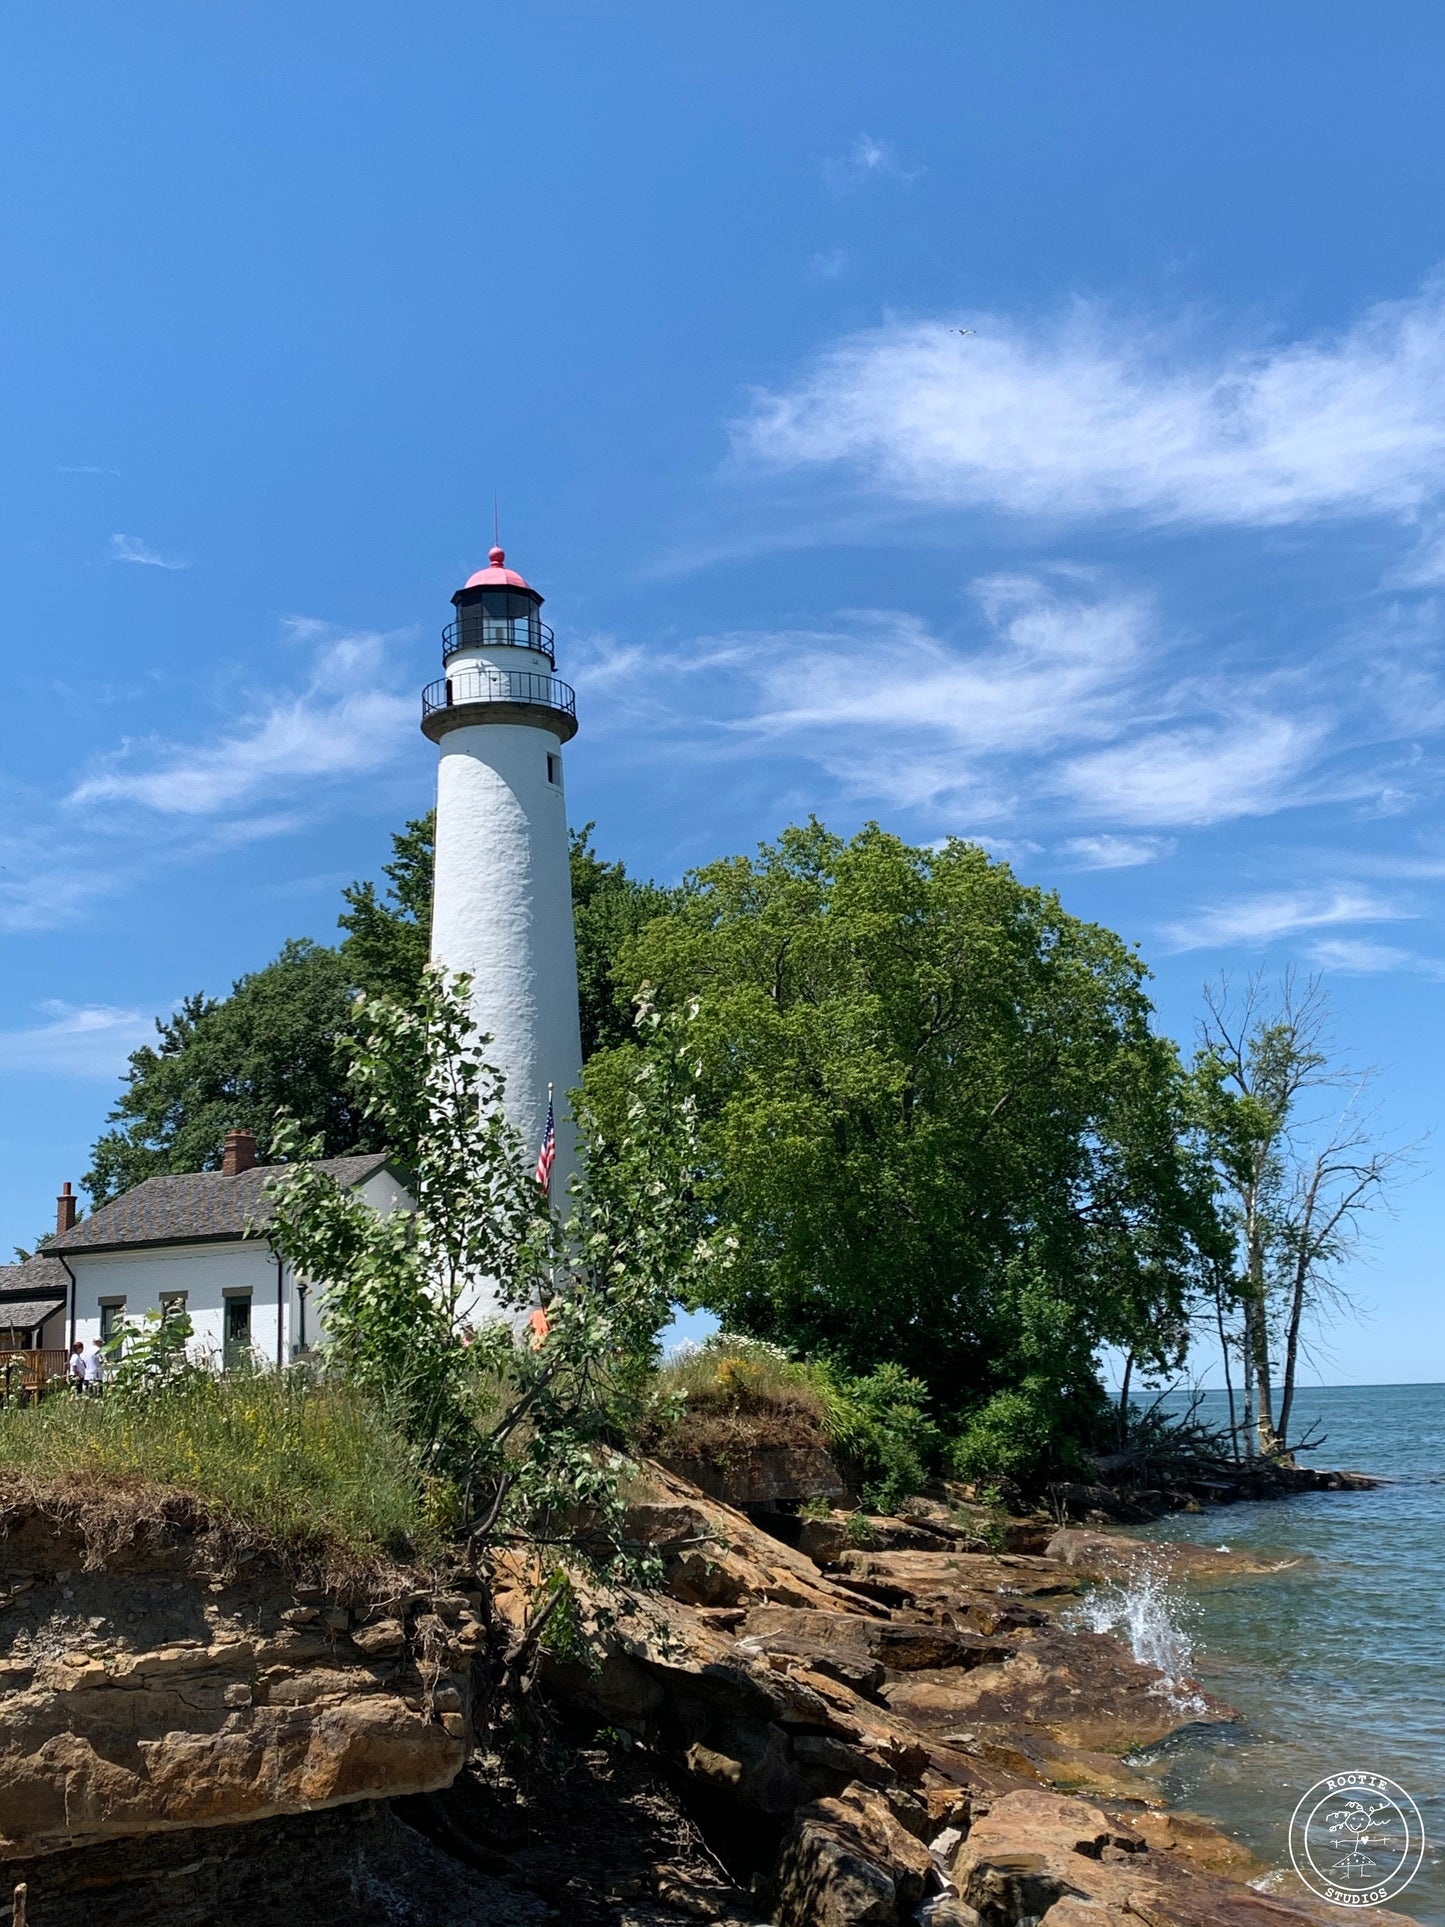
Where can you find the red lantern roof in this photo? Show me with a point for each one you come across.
(498, 577)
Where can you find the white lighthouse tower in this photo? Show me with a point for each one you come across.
(502, 904)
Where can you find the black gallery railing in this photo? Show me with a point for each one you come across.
(472, 630)
(498, 686)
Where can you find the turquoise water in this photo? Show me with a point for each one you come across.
(1338, 1664)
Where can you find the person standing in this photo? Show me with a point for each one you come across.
(95, 1369)
(75, 1372)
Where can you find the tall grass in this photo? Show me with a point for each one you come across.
(731, 1373)
(302, 1463)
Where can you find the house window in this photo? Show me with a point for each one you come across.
(238, 1329)
(112, 1317)
(554, 769)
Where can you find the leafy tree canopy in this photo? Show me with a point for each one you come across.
(231, 1064)
(936, 1119)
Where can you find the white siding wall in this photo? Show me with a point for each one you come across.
(204, 1272)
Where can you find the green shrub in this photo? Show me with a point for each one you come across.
(882, 1422)
(1016, 1435)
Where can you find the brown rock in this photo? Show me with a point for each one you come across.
(382, 1637)
(822, 1540)
(183, 1712)
(765, 1475)
(898, 1647)
(1109, 1555)
(921, 1576)
(1044, 1857)
(710, 1578)
(848, 1863)
(1079, 1690)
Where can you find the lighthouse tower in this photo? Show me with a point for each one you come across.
(502, 904)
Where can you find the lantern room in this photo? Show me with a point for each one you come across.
(497, 609)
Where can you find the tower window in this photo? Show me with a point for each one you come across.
(554, 770)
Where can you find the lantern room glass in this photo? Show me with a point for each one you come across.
(499, 618)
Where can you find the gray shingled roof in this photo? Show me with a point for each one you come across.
(39, 1279)
(24, 1314)
(195, 1208)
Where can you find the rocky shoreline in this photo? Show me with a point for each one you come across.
(819, 1734)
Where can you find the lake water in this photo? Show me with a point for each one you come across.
(1337, 1664)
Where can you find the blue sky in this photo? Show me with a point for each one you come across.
(1138, 580)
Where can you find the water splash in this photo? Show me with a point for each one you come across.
(1146, 1616)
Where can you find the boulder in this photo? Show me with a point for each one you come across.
(1043, 1857)
(847, 1862)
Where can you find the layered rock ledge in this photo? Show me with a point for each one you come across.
(155, 1677)
(817, 1734)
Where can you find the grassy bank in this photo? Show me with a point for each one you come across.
(735, 1394)
(300, 1464)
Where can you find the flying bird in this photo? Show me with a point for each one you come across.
(965, 331)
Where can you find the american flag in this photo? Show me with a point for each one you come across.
(548, 1151)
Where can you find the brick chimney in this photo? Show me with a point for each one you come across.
(65, 1208)
(239, 1154)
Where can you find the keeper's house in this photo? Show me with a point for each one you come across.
(198, 1243)
(32, 1306)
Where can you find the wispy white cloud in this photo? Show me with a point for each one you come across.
(1063, 694)
(83, 468)
(1116, 852)
(130, 548)
(1269, 916)
(867, 159)
(84, 1040)
(1208, 773)
(1056, 655)
(1424, 566)
(285, 757)
(344, 723)
(1095, 413)
(1360, 956)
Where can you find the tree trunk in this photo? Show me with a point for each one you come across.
(1291, 1358)
(1122, 1422)
(1263, 1389)
(1257, 1324)
(1228, 1375)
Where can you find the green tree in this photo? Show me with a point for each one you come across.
(388, 939)
(232, 1064)
(524, 1434)
(937, 1120)
(608, 909)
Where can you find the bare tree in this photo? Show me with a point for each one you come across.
(1345, 1176)
(1294, 1145)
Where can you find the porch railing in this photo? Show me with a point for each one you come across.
(24, 1374)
